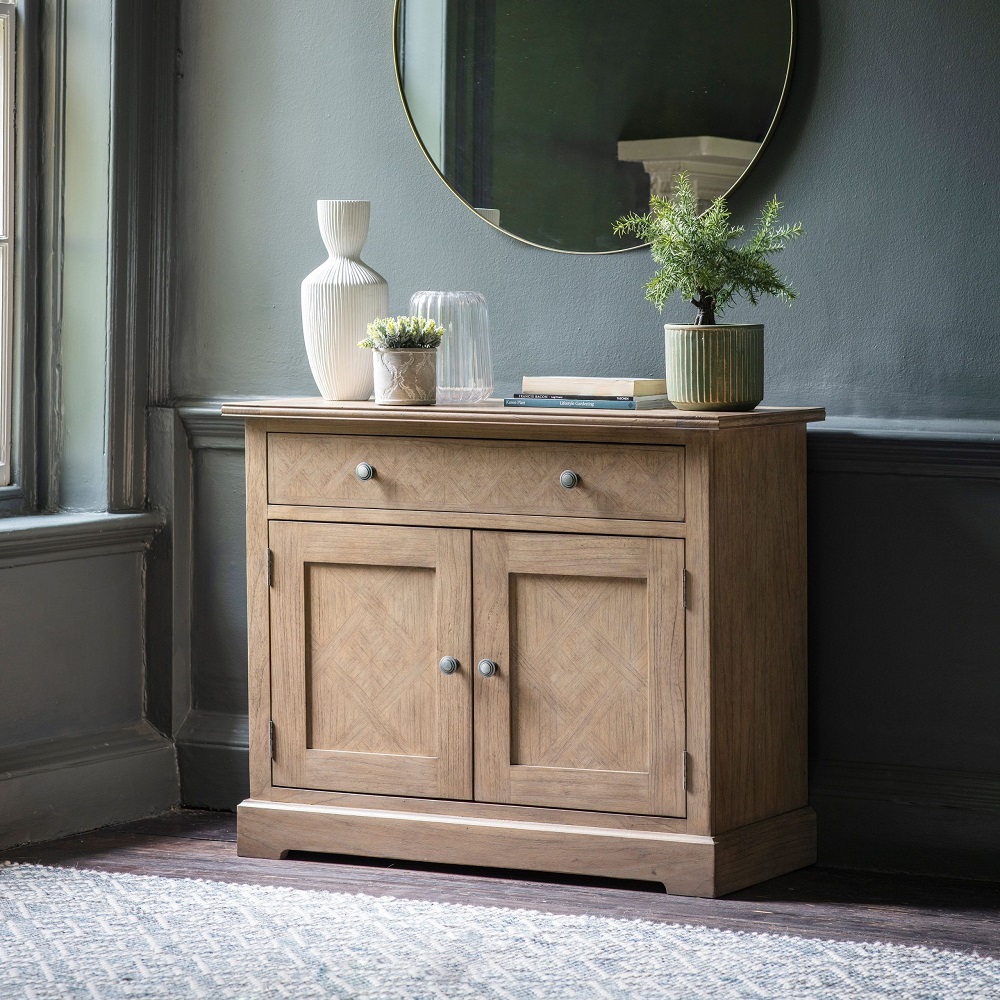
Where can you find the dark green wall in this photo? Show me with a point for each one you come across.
(571, 80)
(887, 150)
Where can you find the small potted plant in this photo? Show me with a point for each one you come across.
(711, 366)
(404, 352)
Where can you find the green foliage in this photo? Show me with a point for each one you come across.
(402, 333)
(697, 257)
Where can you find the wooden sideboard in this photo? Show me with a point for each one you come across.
(459, 654)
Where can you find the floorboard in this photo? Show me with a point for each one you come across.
(815, 902)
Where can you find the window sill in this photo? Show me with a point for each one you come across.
(36, 538)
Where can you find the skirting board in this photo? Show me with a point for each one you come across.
(686, 865)
(65, 786)
(907, 819)
(213, 776)
(213, 759)
(930, 821)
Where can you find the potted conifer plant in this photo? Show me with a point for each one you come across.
(404, 354)
(711, 366)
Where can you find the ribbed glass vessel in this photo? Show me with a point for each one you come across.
(464, 364)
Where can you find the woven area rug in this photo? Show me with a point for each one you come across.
(71, 933)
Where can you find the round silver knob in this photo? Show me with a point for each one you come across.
(448, 664)
(364, 471)
(569, 479)
(487, 668)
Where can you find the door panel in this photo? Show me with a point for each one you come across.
(587, 708)
(361, 617)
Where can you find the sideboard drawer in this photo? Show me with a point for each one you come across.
(642, 482)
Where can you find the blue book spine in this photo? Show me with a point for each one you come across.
(566, 395)
(573, 404)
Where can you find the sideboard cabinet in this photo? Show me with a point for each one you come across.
(546, 641)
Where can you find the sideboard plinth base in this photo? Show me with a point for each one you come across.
(687, 865)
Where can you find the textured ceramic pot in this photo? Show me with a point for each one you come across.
(715, 367)
(339, 299)
(405, 377)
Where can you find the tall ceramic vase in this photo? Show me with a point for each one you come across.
(339, 299)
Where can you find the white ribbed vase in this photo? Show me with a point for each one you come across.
(339, 299)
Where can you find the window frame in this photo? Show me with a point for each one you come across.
(37, 237)
(139, 239)
(8, 372)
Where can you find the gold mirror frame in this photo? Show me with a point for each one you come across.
(585, 253)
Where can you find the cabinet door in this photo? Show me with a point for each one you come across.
(360, 618)
(586, 709)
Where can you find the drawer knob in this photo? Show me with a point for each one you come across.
(448, 664)
(569, 479)
(487, 668)
(364, 472)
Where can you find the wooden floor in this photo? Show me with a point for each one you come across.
(816, 902)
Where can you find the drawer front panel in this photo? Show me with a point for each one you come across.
(640, 482)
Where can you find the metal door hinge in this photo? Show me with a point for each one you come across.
(684, 589)
(684, 770)
(270, 739)
(270, 568)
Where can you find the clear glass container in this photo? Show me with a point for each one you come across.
(464, 364)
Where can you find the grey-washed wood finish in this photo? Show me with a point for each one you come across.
(635, 676)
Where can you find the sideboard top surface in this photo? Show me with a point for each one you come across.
(492, 412)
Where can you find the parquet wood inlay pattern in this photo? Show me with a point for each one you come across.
(369, 686)
(580, 673)
(517, 477)
(360, 617)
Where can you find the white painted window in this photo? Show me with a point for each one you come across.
(6, 238)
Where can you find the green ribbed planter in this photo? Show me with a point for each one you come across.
(715, 367)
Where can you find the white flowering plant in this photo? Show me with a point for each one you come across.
(402, 333)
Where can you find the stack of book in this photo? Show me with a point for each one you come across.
(569, 393)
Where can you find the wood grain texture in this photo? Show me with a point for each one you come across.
(258, 609)
(360, 618)
(521, 421)
(758, 652)
(687, 865)
(473, 519)
(479, 428)
(370, 636)
(698, 634)
(587, 710)
(481, 810)
(512, 477)
(579, 664)
(763, 850)
(684, 864)
(605, 678)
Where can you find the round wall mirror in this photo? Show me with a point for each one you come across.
(552, 118)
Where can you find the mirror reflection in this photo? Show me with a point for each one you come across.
(554, 117)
